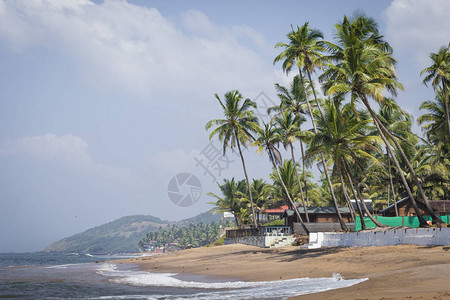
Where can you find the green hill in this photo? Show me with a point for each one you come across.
(121, 235)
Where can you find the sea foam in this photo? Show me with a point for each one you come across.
(279, 289)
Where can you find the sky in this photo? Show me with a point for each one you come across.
(103, 103)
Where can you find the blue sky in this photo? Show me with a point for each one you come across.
(102, 103)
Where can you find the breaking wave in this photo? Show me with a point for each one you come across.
(280, 289)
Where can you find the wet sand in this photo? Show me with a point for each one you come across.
(394, 272)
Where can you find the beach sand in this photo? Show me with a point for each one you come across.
(394, 272)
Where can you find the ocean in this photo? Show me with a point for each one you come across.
(86, 276)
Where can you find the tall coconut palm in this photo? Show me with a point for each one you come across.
(364, 69)
(347, 199)
(267, 140)
(399, 124)
(342, 137)
(293, 100)
(289, 129)
(304, 48)
(236, 129)
(439, 75)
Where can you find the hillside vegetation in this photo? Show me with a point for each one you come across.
(122, 235)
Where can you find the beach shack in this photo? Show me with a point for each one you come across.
(367, 202)
(405, 208)
(275, 213)
(320, 219)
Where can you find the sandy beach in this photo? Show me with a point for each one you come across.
(394, 272)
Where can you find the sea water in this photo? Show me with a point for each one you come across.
(85, 276)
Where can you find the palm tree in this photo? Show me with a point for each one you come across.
(268, 137)
(399, 124)
(439, 75)
(293, 100)
(342, 137)
(289, 130)
(233, 200)
(434, 167)
(436, 151)
(288, 178)
(236, 129)
(364, 68)
(304, 50)
(261, 192)
(434, 121)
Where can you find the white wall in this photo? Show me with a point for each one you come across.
(261, 241)
(414, 236)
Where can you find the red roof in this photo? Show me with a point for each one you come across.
(280, 209)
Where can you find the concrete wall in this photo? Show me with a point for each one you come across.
(320, 227)
(261, 241)
(415, 236)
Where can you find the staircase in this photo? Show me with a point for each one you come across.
(282, 241)
(315, 241)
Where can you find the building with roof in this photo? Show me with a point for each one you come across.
(367, 202)
(405, 208)
(278, 212)
(320, 219)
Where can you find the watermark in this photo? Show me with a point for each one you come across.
(184, 189)
(212, 161)
(263, 103)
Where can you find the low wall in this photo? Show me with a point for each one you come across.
(414, 236)
(320, 227)
(259, 241)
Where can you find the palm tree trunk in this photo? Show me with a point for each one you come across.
(347, 198)
(333, 196)
(354, 183)
(392, 184)
(446, 103)
(408, 164)
(314, 93)
(330, 186)
(288, 195)
(248, 182)
(414, 176)
(236, 220)
(361, 215)
(422, 222)
(299, 183)
(304, 173)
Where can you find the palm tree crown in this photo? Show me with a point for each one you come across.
(305, 46)
(239, 123)
(439, 75)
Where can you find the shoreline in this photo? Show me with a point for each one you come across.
(394, 272)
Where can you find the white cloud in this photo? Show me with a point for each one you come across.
(137, 50)
(418, 27)
(69, 151)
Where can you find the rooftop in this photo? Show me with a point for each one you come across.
(318, 210)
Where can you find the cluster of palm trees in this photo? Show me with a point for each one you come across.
(361, 151)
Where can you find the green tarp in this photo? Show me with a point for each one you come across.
(396, 221)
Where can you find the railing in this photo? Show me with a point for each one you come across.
(277, 230)
(260, 231)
